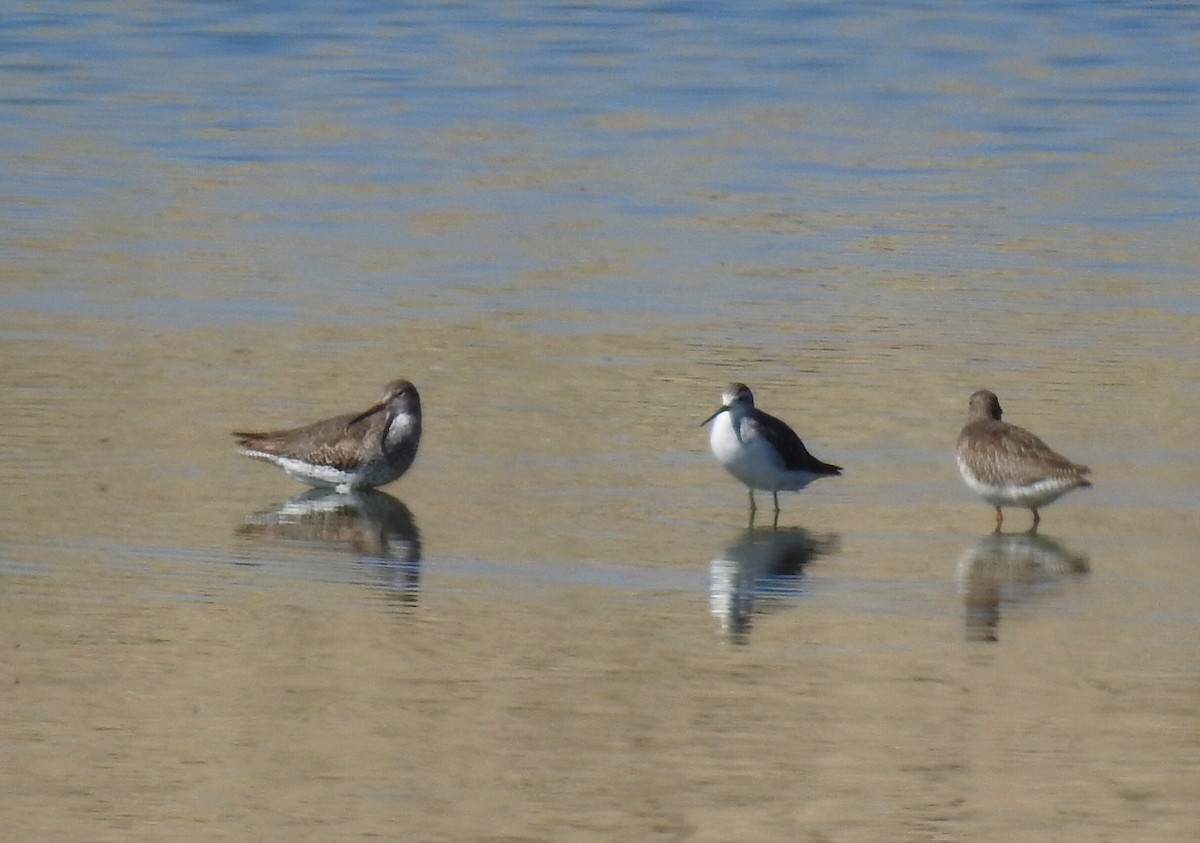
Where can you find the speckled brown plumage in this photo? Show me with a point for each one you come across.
(1009, 466)
(353, 450)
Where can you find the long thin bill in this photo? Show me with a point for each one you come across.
(374, 408)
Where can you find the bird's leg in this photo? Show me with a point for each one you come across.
(999, 518)
(776, 496)
(775, 521)
(1037, 519)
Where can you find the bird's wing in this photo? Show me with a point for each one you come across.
(335, 442)
(998, 452)
(785, 441)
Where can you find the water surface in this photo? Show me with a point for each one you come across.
(569, 226)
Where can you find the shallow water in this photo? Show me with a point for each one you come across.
(569, 226)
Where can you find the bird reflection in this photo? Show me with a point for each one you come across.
(1010, 567)
(371, 524)
(760, 571)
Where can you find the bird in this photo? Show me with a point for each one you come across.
(759, 449)
(350, 451)
(1007, 465)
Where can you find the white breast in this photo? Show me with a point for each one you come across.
(748, 457)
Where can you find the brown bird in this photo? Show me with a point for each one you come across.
(351, 451)
(1008, 466)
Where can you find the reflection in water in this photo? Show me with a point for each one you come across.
(373, 525)
(764, 566)
(1010, 567)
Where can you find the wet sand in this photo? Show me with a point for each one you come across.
(557, 673)
(557, 626)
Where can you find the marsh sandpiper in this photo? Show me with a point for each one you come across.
(759, 449)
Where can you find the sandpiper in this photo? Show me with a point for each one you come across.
(1008, 466)
(759, 449)
(351, 451)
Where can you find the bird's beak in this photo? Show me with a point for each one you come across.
(714, 415)
(387, 425)
(374, 408)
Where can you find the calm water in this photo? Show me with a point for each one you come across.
(569, 225)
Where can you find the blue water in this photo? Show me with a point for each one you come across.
(660, 132)
(569, 223)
